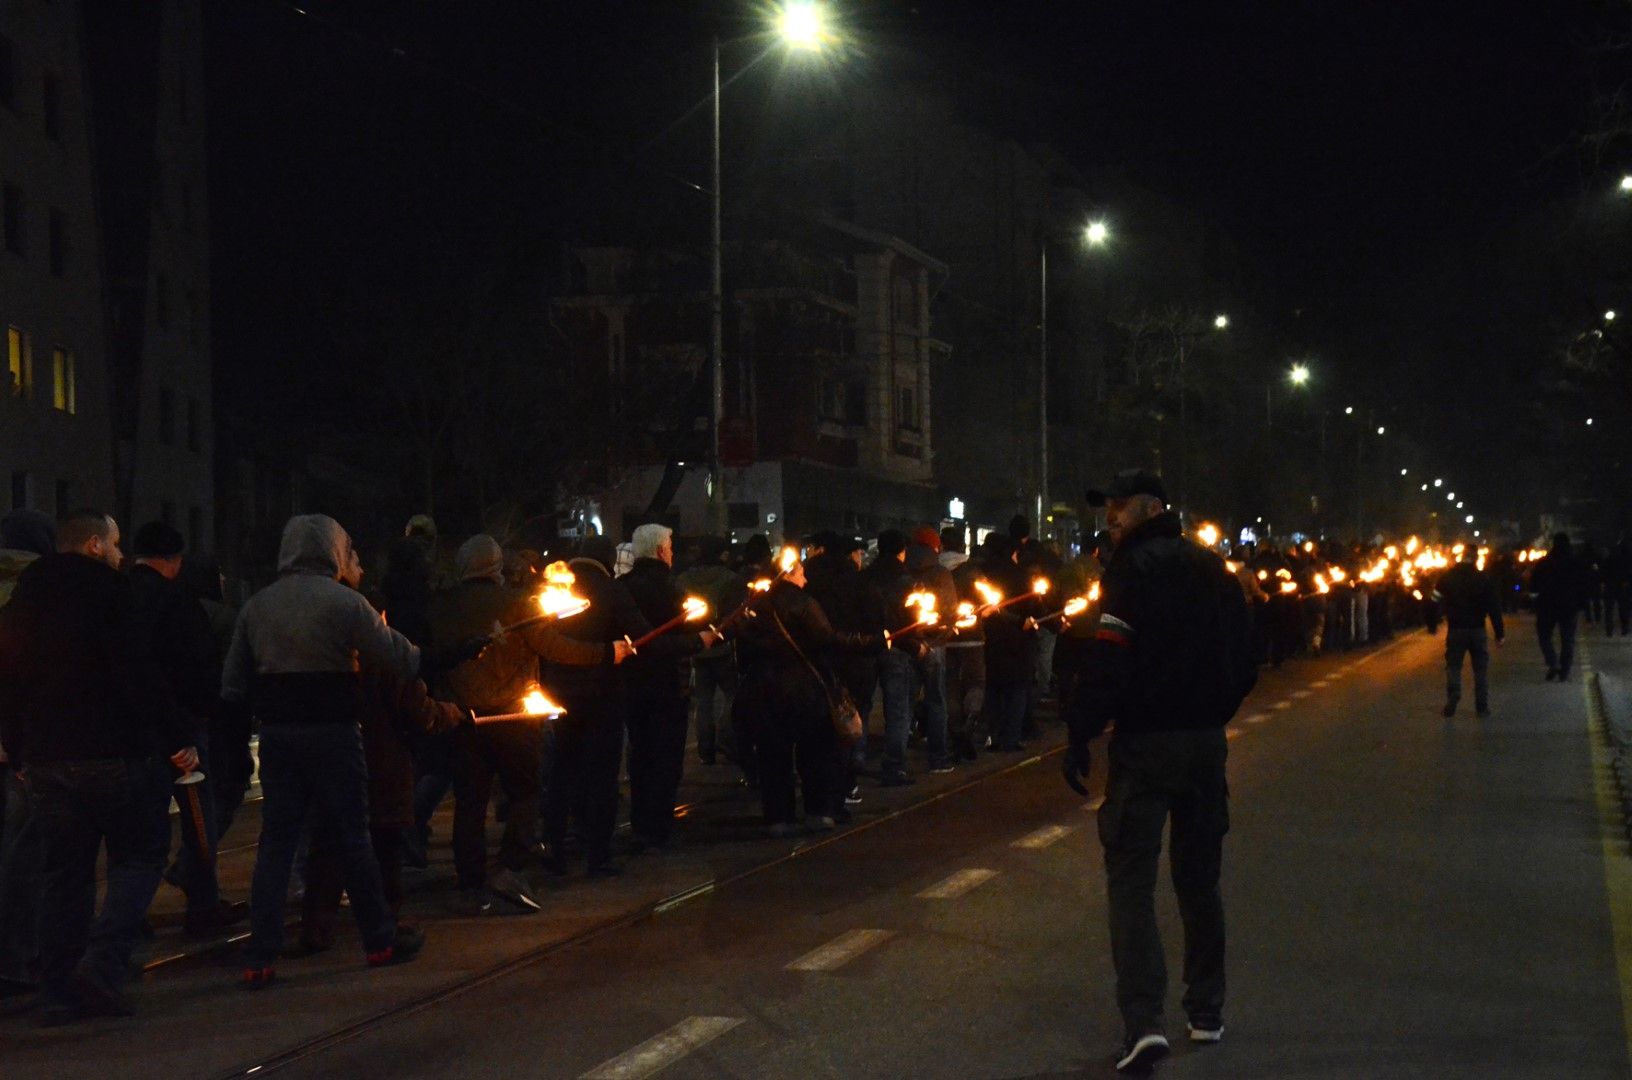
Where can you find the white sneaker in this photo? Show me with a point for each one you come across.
(1206, 1031)
(1142, 1052)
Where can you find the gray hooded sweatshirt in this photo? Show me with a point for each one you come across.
(301, 641)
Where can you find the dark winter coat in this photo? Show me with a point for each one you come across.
(784, 676)
(612, 614)
(76, 680)
(1467, 597)
(650, 583)
(1011, 649)
(1562, 584)
(174, 628)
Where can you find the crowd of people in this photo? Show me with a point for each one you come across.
(126, 689)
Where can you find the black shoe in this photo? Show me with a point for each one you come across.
(1449, 710)
(1140, 1052)
(1482, 711)
(895, 778)
(403, 950)
(508, 885)
(1552, 674)
(472, 903)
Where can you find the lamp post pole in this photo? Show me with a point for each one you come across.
(1042, 406)
(716, 327)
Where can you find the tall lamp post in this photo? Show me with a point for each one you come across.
(1094, 234)
(801, 25)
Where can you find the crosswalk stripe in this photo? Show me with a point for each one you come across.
(1232, 732)
(1281, 706)
(841, 950)
(1299, 695)
(959, 883)
(1043, 837)
(661, 1051)
(1257, 718)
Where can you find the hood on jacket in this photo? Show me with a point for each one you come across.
(29, 530)
(314, 544)
(921, 557)
(480, 558)
(583, 564)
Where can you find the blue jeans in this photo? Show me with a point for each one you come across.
(307, 767)
(79, 806)
(896, 681)
(19, 879)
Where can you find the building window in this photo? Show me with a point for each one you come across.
(8, 73)
(161, 300)
(17, 361)
(195, 529)
(13, 217)
(195, 425)
(167, 417)
(51, 98)
(58, 242)
(906, 407)
(64, 391)
(65, 501)
(21, 488)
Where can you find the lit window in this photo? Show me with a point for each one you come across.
(16, 365)
(64, 393)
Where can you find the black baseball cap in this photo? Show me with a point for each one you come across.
(1126, 484)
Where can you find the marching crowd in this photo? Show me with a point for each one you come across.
(126, 689)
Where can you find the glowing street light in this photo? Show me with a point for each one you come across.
(1609, 316)
(1221, 322)
(1096, 233)
(1589, 421)
(1450, 496)
(1349, 411)
(1469, 520)
(1439, 483)
(1403, 472)
(1626, 183)
(1382, 431)
(1425, 487)
(1299, 375)
(803, 25)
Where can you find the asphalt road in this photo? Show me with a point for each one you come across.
(1407, 897)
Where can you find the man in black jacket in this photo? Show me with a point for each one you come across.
(1468, 596)
(92, 727)
(1170, 662)
(1561, 584)
(175, 631)
(655, 694)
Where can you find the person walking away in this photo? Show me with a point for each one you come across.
(1467, 597)
(175, 631)
(1561, 585)
(1618, 589)
(791, 694)
(887, 583)
(833, 579)
(928, 575)
(965, 653)
(87, 720)
(495, 682)
(25, 535)
(1011, 646)
(1170, 663)
(655, 689)
(713, 671)
(297, 657)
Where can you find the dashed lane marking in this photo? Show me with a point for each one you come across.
(1281, 706)
(959, 883)
(1043, 837)
(1299, 695)
(1256, 718)
(841, 950)
(661, 1051)
(1319, 684)
(1232, 732)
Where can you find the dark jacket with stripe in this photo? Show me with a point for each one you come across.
(1173, 647)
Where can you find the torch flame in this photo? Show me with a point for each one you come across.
(1040, 586)
(536, 704)
(988, 593)
(1075, 606)
(1321, 586)
(1289, 587)
(966, 616)
(558, 599)
(1338, 574)
(1208, 535)
(787, 560)
(695, 608)
(1093, 593)
(760, 584)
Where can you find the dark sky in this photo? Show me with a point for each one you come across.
(1397, 172)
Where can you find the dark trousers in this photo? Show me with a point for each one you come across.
(19, 880)
(195, 861)
(326, 879)
(789, 739)
(1618, 609)
(314, 770)
(1155, 776)
(1460, 643)
(584, 774)
(508, 751)
(78, 807)
(965, 692)
(745, 735)
(657, 754)
(230, 768)
(714, 687)
(1006, 702)
(1546, 623)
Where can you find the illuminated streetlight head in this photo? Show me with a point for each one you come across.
(1404, 472)
(802, 24)
(1609, 316)
(1382, 431)
(1626, 183)
(1299, 374)
(1097, 233)
(1439, 483)
(1221, 322)
(1349, 411)
(1589, 421)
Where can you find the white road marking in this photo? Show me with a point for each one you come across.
(1232, 732)
(1257, 718)
(1319, 683)
(1281, 706)
(661, 1051)
(1043, 837)
(959, 883)
(1299, 695)
(841, 950)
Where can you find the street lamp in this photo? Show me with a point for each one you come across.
(1609, 316)
(1438, 482)
(801, 25)
(1626, 183)
(1096, 234)
(1382, 431)
(1299, 375)
(1221, 322)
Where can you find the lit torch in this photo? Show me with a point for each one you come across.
(924, 604)
(1039, 587)
(967, 618)
(1073, 607)
(534, 706)
(557, 601)
(694, 609)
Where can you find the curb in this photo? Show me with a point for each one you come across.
(1618, 741)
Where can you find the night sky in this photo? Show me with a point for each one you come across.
(1404, 178)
